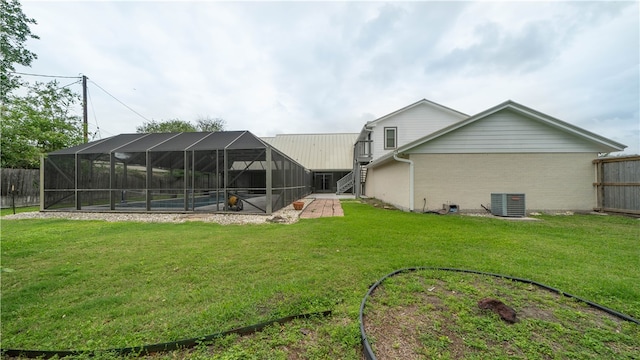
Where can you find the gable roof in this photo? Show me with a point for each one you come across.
(583, 134)
(328, 152)
(369, 124)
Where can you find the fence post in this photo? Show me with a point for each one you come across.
(13, 198)
(41, 185)
(599, 184)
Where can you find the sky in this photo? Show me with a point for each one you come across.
(329, 67)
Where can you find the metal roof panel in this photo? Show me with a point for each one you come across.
(317, 151)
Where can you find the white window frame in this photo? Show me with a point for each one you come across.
(395, 138)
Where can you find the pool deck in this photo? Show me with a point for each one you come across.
(317, 205)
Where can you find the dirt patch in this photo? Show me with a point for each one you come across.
(434, 314)
(378, 203)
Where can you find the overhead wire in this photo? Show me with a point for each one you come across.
(78, 81)
(73, 83)
(118, 100)
(47, 76)
(95, 118)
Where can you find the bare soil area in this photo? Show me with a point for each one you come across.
(435, 315)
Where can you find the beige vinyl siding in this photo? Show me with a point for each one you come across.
(389, 183)
(550, 181)
(507, 131)
(411, 125)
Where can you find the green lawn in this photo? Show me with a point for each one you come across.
(98, 285)
(9, 211)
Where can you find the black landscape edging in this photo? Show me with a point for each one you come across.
(368, 351)
(162, 347)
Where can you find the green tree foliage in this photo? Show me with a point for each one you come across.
(177, 125)
(166, 126)
(38, 123)
(210, 124)
(14, 33)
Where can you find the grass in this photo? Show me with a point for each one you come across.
(434, 314)
(98, 285)
(9, 211)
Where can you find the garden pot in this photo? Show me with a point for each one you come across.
(298, 205)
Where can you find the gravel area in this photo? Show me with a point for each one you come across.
(286, 215)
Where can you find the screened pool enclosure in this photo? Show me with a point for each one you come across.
(173, 172)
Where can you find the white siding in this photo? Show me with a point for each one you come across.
(507, 131)
(413, 124)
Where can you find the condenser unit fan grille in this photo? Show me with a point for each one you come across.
(506, 204)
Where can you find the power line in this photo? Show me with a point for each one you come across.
(47, 76)
(73, 83)
(95, 118)
(123, 104)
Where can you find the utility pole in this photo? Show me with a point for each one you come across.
(85, 118)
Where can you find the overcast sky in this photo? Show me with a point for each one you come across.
(325, 67)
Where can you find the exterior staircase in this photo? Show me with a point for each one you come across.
(363, 175)
(345, 183)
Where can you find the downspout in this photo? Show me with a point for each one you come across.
(410, 162)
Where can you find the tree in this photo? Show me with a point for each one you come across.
(177, 125)
(166, 126)
(210, 124)
(38, 123)
(14, 33)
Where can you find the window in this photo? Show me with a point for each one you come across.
(390, 138)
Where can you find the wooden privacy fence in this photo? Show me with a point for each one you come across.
(25, 184)
(618, 184)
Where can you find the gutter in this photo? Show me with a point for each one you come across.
(410, 162)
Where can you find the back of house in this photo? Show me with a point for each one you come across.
(428, 157)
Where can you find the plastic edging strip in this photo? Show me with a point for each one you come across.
(366, 346)
(162, 347)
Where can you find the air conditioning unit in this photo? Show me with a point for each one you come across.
(504, 204)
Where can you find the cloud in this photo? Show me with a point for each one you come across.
(498, 51)
(318, 67)
(379, 28)
(519, 45)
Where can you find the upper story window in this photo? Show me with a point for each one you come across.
(390, 138)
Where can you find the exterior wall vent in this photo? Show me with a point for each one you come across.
(504, 204)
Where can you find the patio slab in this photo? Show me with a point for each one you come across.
(322, 208)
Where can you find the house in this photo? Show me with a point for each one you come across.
(328, 156)
(426, 157)
(384, 135)
(422, 157)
